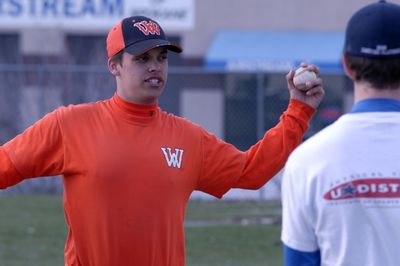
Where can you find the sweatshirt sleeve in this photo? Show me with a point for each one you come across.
(267, 157)
(38, 151)
(225, 167)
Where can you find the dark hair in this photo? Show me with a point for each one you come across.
(381, 73)
(117, 58)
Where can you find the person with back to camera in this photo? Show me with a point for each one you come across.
(129, 168)
(341, 187)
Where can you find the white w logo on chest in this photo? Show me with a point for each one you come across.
(173, 158)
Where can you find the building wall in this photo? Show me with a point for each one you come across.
(214, 15)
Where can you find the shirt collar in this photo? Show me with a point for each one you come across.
(376, 105)
(133, 112)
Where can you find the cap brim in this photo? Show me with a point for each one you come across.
(144, 46)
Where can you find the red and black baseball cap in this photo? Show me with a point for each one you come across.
(374, 31)
(136, 35)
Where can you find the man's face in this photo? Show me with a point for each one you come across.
(142, 78)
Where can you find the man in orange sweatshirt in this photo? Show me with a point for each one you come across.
(129, 168)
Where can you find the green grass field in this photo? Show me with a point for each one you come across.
(218, 233)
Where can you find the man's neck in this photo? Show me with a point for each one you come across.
(363, 90)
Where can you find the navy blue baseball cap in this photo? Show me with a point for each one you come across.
(374, 31)
(136, 35)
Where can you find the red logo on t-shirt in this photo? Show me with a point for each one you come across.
(366, 188)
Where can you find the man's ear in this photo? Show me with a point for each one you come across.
(113, 67)
(347, 70)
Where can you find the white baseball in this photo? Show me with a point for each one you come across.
(301, 76)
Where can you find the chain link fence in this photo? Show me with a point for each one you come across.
(238, 107)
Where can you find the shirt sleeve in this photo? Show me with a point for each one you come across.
(298, 229)
(294, 257)
(266, 158)
(38, 151)
(9, 175)
(226, 167)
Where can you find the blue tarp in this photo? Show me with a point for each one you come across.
(275, 51)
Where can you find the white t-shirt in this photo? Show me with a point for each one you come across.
(341, 192)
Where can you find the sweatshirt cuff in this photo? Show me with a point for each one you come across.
(299, 108)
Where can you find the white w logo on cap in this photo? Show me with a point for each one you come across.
(174, 159)
(148, 27)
